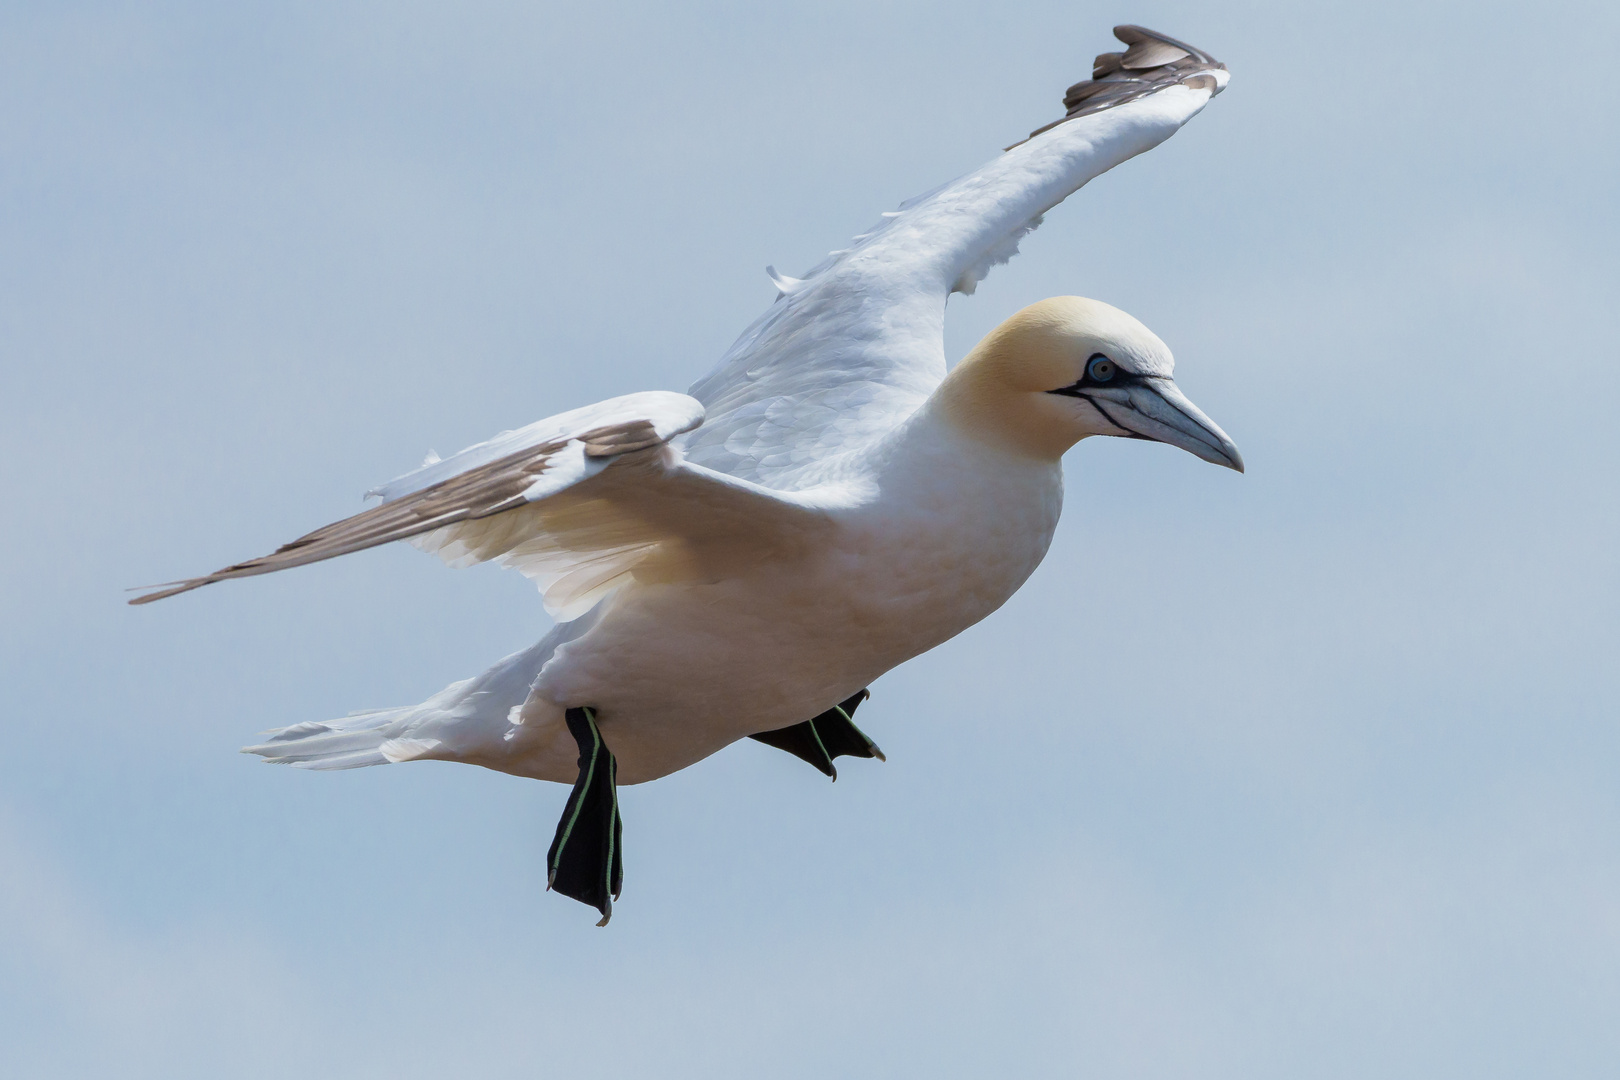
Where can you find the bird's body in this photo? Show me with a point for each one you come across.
(677, 670)
(826, 504)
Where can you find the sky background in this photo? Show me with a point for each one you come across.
(1313, 771)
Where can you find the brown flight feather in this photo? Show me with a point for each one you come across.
(1150, 63)
(480, 492)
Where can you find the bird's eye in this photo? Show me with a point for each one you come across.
(1101, 369)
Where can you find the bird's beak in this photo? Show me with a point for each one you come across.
(1155, 408)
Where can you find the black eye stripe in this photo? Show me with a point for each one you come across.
(1109, 375)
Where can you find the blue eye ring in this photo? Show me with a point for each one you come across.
(1101, 369)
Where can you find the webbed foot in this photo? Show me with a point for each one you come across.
(585, 862)
(830, 735)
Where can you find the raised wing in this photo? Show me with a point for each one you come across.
(580, 502)
(858, 343)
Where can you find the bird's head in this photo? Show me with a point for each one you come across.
(1068, 367)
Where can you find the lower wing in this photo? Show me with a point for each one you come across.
(580, 502)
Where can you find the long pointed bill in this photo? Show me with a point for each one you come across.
(1157, 409)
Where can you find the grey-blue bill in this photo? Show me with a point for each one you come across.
(1155, 408)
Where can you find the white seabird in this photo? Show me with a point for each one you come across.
(826, 504)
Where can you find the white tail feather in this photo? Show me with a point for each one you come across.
(467, 720)
(396, 750)
(350, 743)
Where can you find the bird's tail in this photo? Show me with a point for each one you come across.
(464, 721)
(366, 738)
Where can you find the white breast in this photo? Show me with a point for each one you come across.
(945, 532)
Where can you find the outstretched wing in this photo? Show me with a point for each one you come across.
(858, 343)
(580, 502)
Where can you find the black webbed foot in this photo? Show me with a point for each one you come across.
(585, 862)
(830, 735)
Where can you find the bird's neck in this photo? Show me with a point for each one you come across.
(934, 455)
(982, 401)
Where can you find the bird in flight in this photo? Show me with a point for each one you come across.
(745, 559)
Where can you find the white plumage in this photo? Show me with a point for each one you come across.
(826, 503)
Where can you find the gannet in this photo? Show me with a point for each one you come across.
(745, 559)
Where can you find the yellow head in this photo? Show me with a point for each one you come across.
(1066, 368)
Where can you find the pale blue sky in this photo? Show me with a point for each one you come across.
(1309, 772)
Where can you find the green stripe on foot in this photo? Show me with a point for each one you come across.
(586, 860)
